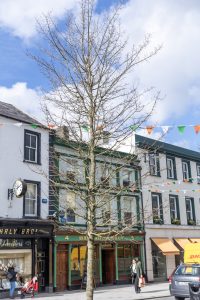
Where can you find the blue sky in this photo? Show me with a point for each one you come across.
(174, 71)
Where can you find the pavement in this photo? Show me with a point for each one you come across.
(122, 292)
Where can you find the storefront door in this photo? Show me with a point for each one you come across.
(108, 266)
(159, 264)
(61, 268)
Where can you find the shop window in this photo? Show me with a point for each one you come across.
(125, 255)
(159, 263)
(78, 261)
(21, 259)
(32, 148)
(32, 199)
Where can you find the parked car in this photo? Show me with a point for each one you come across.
(180, 279)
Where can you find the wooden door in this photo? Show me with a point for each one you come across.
(61, 275)
(108, 266)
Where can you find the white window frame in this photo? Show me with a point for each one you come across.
(174, 198)
(32, 148)
(198, 173)
(191, 209)
(186, 174)
(126, 210)
(126, 174)
(31, 199)
(170, 168)
(153, 164)
(158, 206)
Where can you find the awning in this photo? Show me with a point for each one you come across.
(182, 242)
(195, 240)
(166, 246)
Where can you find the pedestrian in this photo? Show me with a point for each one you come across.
(11, 276)
(133, 271)
(138, 275)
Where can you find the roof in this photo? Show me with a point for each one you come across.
(159, 146)
(11, 112)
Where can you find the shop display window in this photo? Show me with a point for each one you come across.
(78, 261)
(21, 259)
(125, 255)
(159, 263)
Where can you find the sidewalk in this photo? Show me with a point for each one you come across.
(122, 292)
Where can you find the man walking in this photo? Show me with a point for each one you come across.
(12, 278)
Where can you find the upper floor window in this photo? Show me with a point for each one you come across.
(174, 209)
(190, 211)
(67, 205)
(198, 173)
(157, 209)
(126, 178)
(171, 168)
(154, 164)
(106, 211)
(128, 210)
(105, 175)
(31, 200)
(32, 142)
(186, 170)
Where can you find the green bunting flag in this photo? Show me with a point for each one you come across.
(133, 127)
(34, 125)
(85, 128)
(181, 128)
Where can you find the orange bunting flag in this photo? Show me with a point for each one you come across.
(197, 129)
(149, 129)
(51, 126)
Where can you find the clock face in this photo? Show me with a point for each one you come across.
(19, 188)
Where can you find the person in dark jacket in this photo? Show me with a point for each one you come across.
(138, 275)
(12, 278)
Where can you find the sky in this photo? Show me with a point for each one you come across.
(174, 71)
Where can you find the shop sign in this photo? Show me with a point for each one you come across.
(24, 231)
(80, 238)
(14, 243)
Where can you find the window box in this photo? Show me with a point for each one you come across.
(191, 222)
(157, 220)
(176, 221)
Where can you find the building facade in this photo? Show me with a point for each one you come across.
(170, 189)
(25, 234)
(119, 210)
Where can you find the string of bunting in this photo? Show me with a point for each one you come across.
(33, 125)
(181, 128)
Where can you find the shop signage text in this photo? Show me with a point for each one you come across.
(77, 238)
(22, 231)
(15, 243)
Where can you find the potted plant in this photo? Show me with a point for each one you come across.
(157, 220)
(191, 222)
(175, 221)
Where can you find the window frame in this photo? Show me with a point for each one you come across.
(173, 169)
(156, 165)
(159, 215)
(37, 149)
(188, 170)
(177, 211)
(198, 173)
(192, 209)
(38, 199)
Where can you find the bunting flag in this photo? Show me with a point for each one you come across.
(34, 126)
(85, 128)
(181, 128)
(149, 129)
(134, 127)
(197, 129)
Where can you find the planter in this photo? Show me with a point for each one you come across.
(157, 221)
(191, 222)
(176, 222)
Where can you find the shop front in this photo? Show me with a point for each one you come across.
(112, 259)
(26, 245)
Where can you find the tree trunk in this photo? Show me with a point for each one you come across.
(90, 268)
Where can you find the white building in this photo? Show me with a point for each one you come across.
(24, 231)
(171, 201)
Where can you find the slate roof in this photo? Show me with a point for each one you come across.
(10, 111)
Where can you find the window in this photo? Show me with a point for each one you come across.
(127, 178)
(105, 178)
(154, 164)
(157, 208)
(198, 173)
(171, 168)
(128, 209)
(174, 209)
(67, 206)
(31, 200)
(106, 212)
(186, 170)
(32, 146)
(190, 212)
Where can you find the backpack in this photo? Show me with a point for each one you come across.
(9, 276)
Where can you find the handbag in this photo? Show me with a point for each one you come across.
(141, 282)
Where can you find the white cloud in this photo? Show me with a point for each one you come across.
(19, 17)
(24, 98)
(175, 69)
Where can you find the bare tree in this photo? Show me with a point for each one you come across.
(87, 64)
